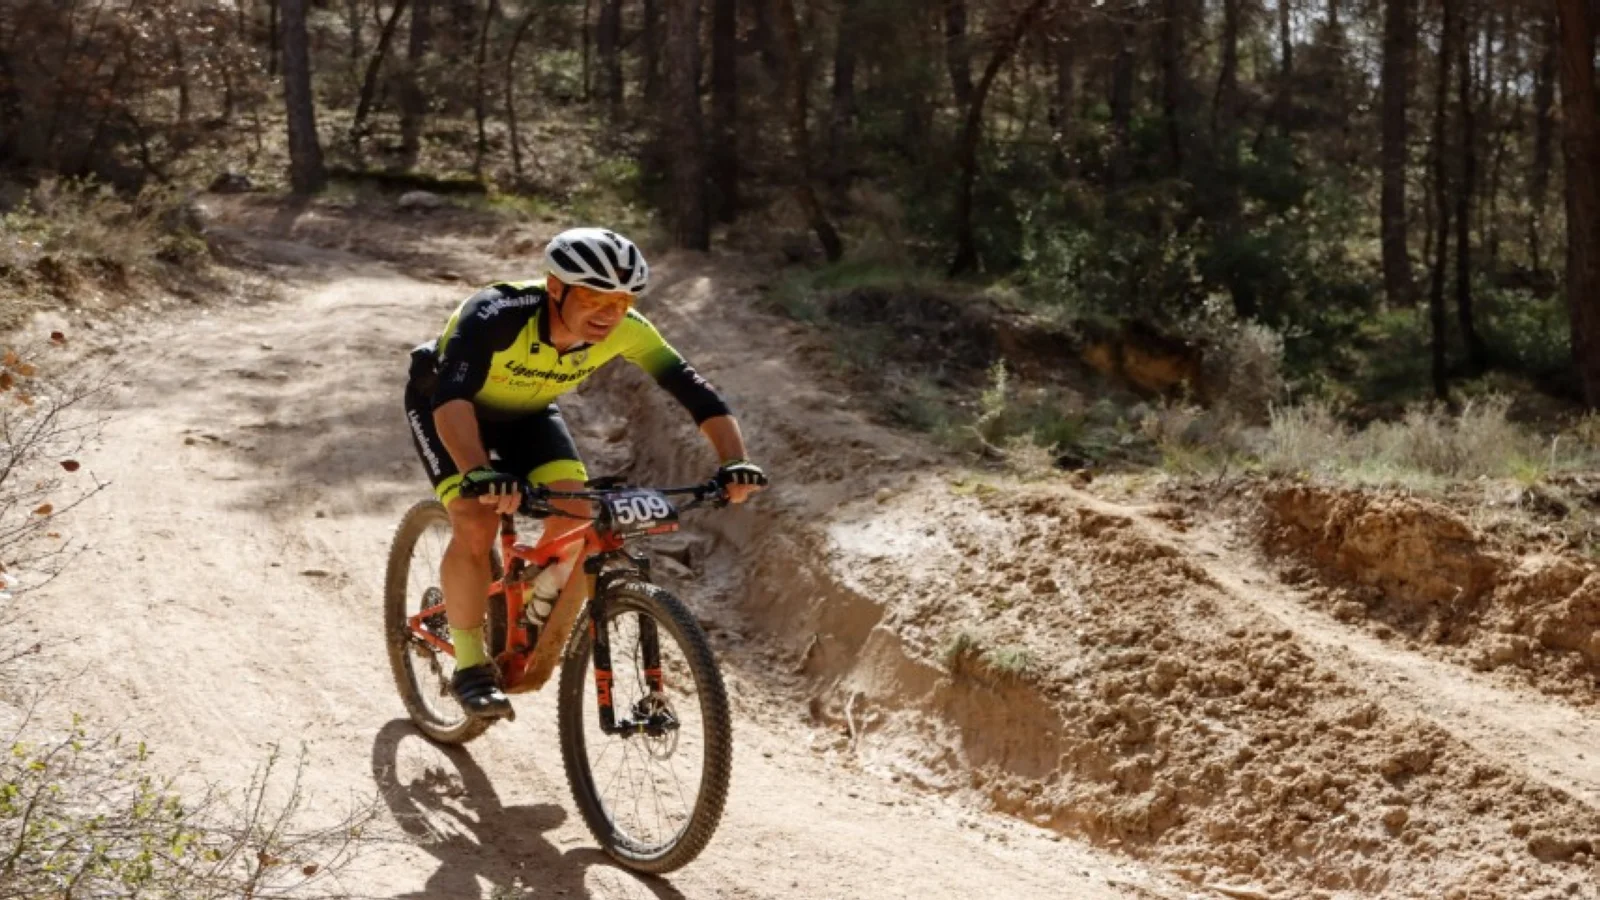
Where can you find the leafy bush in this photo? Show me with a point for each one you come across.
(82, 815)
(68, 226)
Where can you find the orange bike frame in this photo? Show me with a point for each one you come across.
(519, 648)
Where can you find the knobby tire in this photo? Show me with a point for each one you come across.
(675, 621)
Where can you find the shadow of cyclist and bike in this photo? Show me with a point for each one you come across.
(459, 818)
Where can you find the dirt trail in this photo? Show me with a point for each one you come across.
(943, 686)
(230, 601)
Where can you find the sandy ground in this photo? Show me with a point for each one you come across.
(944, 685)
(230, 601)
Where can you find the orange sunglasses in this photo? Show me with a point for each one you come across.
(597, 299)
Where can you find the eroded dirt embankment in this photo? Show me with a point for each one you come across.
(1417, 567)
(1091, 668)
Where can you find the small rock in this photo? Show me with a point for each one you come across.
(1396, 818)
(420, 200)
(314, 573)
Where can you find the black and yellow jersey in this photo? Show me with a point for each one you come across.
(495, 351)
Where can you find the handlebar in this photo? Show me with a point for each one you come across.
(536, 498)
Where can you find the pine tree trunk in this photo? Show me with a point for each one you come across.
(1174, 81)
(587, 33)
(369, 84)
(766, 38)
(306, 173)
(1283, 103)
(1063, 98)
(651, 40)
(413, 101)
(1544, 97)
(1477, 354)
(725, 107)
(957, 51)
(275, 35)
(1441, 190)
(796, 78)
(608, 48)
(1580, 110)
(684, 126)
(480, 89)
(353, 14)
(843, 106)
(1224, 114)
(1398, 286)
(1500, 125)
(1122, 77)
(966, 257)
(511, 88)
(181, 69)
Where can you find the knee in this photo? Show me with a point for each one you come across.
(473, 527)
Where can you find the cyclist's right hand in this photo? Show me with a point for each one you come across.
(492, 487)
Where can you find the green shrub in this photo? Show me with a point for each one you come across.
(80, 225)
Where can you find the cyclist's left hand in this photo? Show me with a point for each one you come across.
(741, 478)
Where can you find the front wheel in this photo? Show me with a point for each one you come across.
(652, 796)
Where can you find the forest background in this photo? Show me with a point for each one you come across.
(1362, 206)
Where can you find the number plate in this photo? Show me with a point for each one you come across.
(638, 512)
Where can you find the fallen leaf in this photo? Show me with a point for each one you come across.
(52, 534)
(26, 370)
(57, 337)
(25, 399)
(71, 465)
(44, 509)
(11, 359)
(6, 381)
(310, 870)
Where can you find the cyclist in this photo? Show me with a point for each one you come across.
(480, 402)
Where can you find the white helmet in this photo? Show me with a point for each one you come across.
(597, 258)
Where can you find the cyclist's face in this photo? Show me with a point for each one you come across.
(592, 314)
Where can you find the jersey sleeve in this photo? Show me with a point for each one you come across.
(482, 326)
(650, 352)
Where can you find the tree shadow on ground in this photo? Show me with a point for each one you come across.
(459, 818)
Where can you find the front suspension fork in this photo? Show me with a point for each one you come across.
(600, 638)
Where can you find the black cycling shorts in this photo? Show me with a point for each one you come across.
(537, 446)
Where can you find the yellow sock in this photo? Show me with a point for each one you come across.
(469, 646)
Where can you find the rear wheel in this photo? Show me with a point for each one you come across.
(652, 798)
(422, 671)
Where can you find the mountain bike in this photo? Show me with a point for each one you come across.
(642, 712)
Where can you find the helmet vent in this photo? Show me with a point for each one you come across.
(588, 256)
